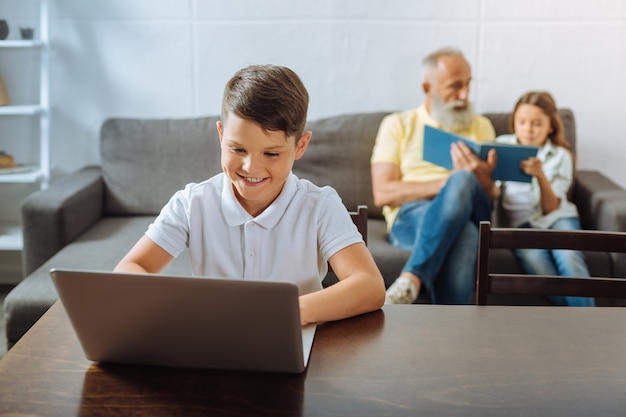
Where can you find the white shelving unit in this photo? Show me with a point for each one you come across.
(11, 234)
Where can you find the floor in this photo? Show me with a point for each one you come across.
(4, 290)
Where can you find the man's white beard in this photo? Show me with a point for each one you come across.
(450, 117)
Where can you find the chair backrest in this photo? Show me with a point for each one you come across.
(359, 217)
(510, 238)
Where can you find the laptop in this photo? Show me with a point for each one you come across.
(190, 322)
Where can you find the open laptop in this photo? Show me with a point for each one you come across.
(176, 321)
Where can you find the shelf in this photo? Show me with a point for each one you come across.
(22, 110)
(11, 237)
(21, 44)
(32, 175)
(36, 168)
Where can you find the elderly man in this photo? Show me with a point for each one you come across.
(429, 210)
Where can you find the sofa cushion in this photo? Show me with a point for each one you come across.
(500, 123)
(173, 152)
(339, 155)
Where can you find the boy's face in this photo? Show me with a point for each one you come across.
(257, 161)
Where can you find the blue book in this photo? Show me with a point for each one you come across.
(437, 151)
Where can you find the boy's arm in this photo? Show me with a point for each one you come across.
(145, 256)
(360, 289)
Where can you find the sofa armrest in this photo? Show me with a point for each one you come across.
(601, 202)
(54, 217)
(602, 206)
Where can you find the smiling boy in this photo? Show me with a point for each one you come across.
(257, 220)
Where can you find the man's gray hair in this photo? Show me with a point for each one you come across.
(431, 60)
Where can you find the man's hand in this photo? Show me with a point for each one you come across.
(464, 159)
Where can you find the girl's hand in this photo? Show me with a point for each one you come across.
(532, 166)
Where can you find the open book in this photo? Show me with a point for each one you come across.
(437, 151)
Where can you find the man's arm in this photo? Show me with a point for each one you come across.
(390, 190)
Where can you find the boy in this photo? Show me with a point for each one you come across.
(257, 219)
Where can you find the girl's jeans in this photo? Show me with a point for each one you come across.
(557, 262)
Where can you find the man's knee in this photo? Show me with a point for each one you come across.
(463, 177)
(461, 193)
(462, 183)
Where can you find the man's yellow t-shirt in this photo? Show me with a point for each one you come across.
(400, 141)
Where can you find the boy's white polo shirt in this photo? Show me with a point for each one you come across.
(290, 241)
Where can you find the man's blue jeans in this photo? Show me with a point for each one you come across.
(567, 263)
(442, 235)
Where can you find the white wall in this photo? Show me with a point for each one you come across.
(171, 58)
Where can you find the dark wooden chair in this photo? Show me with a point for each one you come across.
(359, 217)
(508, 238)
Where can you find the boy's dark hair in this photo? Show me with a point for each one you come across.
(272, 96)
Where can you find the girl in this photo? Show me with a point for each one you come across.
(543, 202)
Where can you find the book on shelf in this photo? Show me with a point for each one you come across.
(437, 144)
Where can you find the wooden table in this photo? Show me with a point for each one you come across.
(418, 360)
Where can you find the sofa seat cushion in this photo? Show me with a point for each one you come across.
(339, 155)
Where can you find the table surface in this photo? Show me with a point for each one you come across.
(417, 360)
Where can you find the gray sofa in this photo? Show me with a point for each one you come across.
(91, 218)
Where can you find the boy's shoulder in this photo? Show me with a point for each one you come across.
(310, 196)
(212, 186)
(304, 185)
(216, 181)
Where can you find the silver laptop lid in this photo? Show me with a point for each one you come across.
(217, 323)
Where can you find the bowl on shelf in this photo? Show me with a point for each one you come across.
(27, 32)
